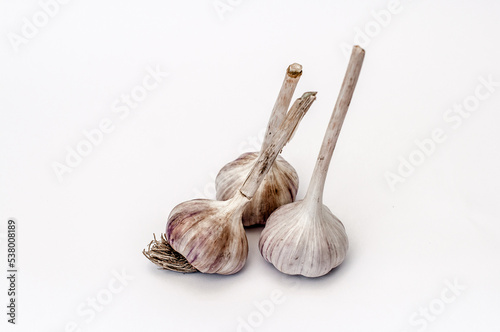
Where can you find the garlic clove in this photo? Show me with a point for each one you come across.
(278, 188)
(297, 240)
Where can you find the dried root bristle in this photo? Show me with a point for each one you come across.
(164, 256)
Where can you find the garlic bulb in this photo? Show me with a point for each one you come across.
(305, 237)
(278, 188)
(281, 183)
(208, 236)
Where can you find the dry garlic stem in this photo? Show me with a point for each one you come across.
(281, 183)
(278, 114)
(305, 237)
(209, 234)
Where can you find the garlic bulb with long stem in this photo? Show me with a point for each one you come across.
(208, 236)
(281, 183)
(305, 237)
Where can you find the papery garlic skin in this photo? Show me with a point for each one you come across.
(278, 188)
(304, 239)
(209, 234)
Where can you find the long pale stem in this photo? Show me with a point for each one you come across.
(278, 114)
(317, 184)
(279, 140)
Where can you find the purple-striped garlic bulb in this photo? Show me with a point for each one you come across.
(280, 185)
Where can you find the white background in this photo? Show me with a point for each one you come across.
(74, 235)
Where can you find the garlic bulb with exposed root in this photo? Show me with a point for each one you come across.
(305, 237)
(208, 236)
(281, 183)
